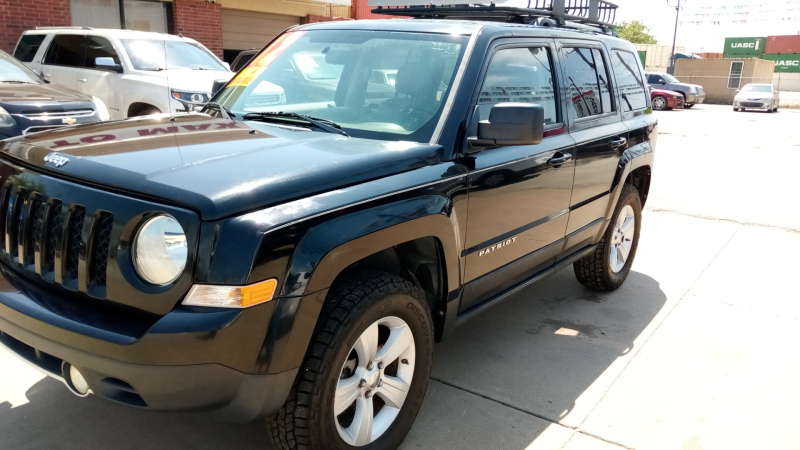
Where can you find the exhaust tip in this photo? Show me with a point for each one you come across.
(75, 380)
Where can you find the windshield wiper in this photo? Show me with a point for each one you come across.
(290, 117)
(225, 112)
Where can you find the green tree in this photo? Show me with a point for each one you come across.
(636, 32)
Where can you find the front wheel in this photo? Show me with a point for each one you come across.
(609, 265)
(688, 105)
(366, 369)
(660, 103)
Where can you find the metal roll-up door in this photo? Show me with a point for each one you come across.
(242, 30)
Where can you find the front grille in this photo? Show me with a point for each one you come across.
(751, 105)
(46, 236)
(46, 115)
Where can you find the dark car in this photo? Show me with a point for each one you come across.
(693, 94)
(299, 262)
(29, 104)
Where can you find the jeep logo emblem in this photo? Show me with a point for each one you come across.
(56, 159)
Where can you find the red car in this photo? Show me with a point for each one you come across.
(662, 99)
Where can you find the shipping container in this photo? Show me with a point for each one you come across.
(785, 63)
(657, 56)
(643, 57)
(783, 44)
(746, 47)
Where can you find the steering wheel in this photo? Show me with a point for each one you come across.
(413, 118)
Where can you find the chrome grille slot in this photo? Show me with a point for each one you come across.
(50, 238)
(5, 197)
(15, 204)
(100, 245)
(27, 230)
(72, 245)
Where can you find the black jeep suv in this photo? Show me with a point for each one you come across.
(299, 261)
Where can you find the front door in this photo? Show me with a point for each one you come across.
(64, 59)
(99, 81)
(519, 195)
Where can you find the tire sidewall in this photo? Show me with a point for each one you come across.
(629, 197)
(663, 99)
(415, 314)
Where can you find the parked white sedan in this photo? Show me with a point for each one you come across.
(757, 96)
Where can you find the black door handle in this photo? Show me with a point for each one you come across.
(617, 143)
(557, 161)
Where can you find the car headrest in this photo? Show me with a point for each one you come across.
(420, 79)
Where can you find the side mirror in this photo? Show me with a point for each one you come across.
(227, 66)
(511, 124)
(217, 86)
(662, 82)
(107, 63)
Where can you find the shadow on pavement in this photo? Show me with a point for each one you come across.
(537, 352)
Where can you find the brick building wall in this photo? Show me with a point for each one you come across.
(200, 20)
(17, 16)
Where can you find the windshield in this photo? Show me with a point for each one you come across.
(374, 84)
(152, 54)
(12, 70)
(757, 88)
(669, 78)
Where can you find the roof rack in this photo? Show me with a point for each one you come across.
(581, 14)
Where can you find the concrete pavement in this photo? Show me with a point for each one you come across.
(696, 351)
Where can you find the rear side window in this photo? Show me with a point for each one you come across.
(588, 82)
(66, 50)
(99, 48)
(629, 80)
(28, 46)
(523, 75)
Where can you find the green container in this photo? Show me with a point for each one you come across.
(643, 57)
(748, 47)
(785, 63)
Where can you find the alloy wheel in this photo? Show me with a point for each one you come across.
(659, 103)
(622, 240)
(374, 381)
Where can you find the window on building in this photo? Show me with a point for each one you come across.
(99, 48)
(629, 80)
(141, 15)
(735, 76)
(28, 46)
(523, 75)
(588, 82)
(66, 50)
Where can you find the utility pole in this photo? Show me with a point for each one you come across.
(674, 38)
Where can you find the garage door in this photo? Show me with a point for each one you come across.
(242, 30)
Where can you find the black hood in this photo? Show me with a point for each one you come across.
(18, 98)
(214, 166)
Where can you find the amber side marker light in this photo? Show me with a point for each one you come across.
(231, 296)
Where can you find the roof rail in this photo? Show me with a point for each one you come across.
(566, 13)
(64, 28)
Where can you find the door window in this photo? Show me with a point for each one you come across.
(629, 80)
(28, 46)
(99, 48)
(523, 75)
(735, 77)
(588, 82)
(66, 50)
(654, 79)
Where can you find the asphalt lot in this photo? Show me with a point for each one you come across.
(696, 351)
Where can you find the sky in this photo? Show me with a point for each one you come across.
(761, 17)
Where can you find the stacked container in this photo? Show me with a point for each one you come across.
(785, 52)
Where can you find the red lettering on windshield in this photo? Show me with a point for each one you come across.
(226, 125)
(98, 138)
(202, 127)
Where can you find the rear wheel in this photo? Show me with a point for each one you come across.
(609, 265)
(660, 103)
(366, 370)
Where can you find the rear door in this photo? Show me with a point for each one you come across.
(63, 61)
(99, 81)
(518, 195)
(600, 137)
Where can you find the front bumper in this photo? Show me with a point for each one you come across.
(692, 99)
(765, 105)
(192, 359)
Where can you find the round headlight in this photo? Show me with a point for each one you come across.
(160, 250)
